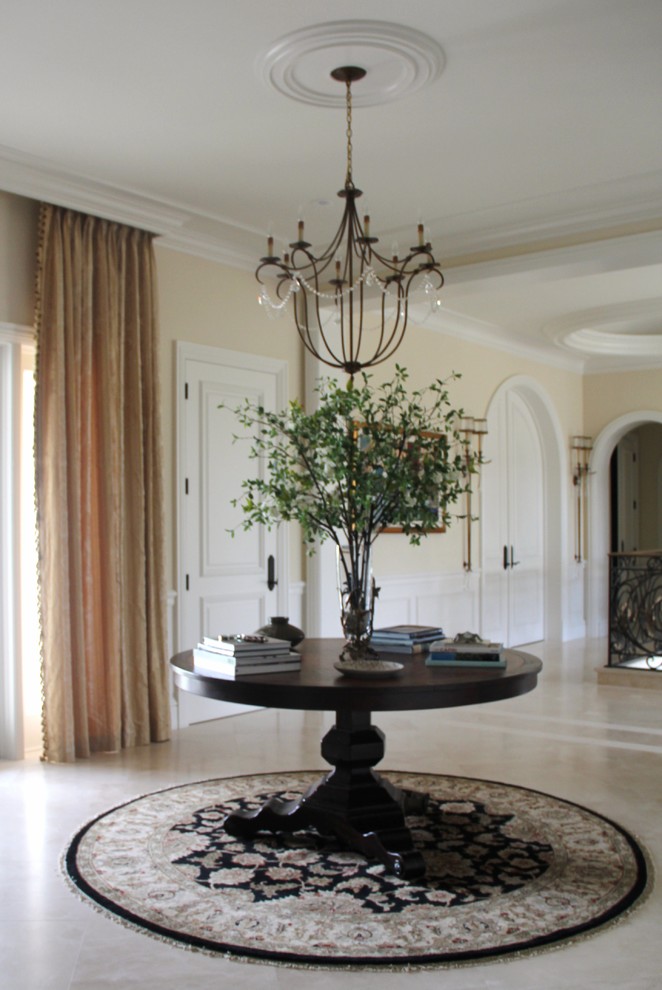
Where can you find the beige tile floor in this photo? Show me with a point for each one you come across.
(597, 745)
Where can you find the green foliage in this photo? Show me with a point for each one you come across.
(366, 458)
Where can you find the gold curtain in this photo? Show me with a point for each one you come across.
(99, 488)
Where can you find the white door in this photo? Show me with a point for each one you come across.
(224, 580)
(513, 525)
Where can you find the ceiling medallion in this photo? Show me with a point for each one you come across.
(398, 60)
(351, 302)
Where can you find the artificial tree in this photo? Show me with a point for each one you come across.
(368, 457)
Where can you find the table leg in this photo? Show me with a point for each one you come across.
(352, 802)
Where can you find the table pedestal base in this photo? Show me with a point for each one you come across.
(364, 811)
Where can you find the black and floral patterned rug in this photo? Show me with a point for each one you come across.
(507, 870)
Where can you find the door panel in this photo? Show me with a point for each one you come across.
(525, 527)
(495, 533)
(223, 578)
(513, 525)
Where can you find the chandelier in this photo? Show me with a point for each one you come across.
(351, 303)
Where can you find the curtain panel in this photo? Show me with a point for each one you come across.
(99, 488)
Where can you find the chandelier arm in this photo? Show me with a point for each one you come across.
(380, 342)
(346, 360)
(396, 336)
(362, 246)
(393, 344)
(391, 348)
(284, 276)
(322, 262)
(422, 257)
(303, 321)
(349, 254)
(385, 346)
(282, 292)
(303, 328)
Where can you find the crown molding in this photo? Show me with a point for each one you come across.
(531, 224)
(16, 333)
(28, 175)
(591, 258)
(639, 203)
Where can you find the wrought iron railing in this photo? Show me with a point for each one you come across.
(635, 608)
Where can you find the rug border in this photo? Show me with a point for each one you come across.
(633, 899)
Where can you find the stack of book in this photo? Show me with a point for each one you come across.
(450, 653)
(405, 639)
(240, 654)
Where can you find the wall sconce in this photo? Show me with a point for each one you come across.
(581, 448)
(474, 430)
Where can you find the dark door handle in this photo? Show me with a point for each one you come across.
(271, 572)
(513, 562)
(506, 562)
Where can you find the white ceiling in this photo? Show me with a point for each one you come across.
(534, 156)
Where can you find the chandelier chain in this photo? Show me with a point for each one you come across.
(348, 178)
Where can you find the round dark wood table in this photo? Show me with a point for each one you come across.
(354, 803)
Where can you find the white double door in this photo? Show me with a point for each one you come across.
(513, 525)
(226, 583)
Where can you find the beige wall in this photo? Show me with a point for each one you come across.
(18, 245)
(607, 397)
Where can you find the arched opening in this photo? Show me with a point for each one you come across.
(635, 474)
(601, 530)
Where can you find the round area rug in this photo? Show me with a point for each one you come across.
(508, 869)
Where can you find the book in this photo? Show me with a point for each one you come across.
(240, 644)
(408, 648)
(214, 665)
(407, 633)
(464, 664)
(468, 649)
(449, 659)
(242, 659)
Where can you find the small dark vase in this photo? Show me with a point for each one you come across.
(279, 627)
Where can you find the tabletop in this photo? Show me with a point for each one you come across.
(319, 687)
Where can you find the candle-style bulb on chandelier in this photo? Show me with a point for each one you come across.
(351, 303)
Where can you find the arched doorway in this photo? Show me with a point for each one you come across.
(521, 400)
(600, 514)
(636, 475)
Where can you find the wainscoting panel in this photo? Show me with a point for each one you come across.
(449, 600)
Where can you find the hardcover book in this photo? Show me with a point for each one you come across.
(234, 644)
(214, 665)
(407, 633)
